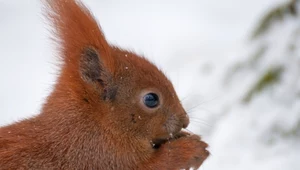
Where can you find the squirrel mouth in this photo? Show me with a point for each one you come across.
(158, 142)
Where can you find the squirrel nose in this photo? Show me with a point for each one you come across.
(185, 121)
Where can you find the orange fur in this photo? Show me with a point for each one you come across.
(95, 118)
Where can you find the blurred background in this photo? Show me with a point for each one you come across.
(234, 63)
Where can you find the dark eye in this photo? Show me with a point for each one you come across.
(151, 100)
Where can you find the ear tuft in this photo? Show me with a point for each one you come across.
(75, 28)
(82, 45)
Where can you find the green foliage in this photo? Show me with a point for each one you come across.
(267, 79)
(277, 14)
(257, 56)
(278, 132)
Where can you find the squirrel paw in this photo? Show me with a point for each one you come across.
(186, 152)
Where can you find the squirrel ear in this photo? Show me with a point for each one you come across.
(82, 44)
(91, 68)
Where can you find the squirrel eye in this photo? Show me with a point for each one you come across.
(151, 100)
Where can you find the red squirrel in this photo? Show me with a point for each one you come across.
(110, 109)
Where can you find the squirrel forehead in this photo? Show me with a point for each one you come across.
(137, 69)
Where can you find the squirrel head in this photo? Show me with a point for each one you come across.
(116, 89)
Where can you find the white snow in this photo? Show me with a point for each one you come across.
(197, 43)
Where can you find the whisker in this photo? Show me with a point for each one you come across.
(201, 123)
(196, 118)
(191, 112)
(189, 131)
(186, 97)
(199, 104)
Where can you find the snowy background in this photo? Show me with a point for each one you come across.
(234, 63)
